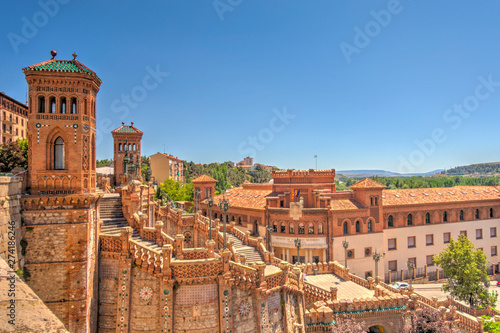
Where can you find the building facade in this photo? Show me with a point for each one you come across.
(13, 119)
(401, 225)
(164, 166)
(127, 152)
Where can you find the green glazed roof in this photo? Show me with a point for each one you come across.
(54, 65)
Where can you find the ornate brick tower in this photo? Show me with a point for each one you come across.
(127, 152)
(61, 126)
(60, 218)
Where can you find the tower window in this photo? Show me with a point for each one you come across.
(73, 106)
(345, 228)
(445, 216)
(390, 221)
(120, 146)
(41, 104)
(461, 215)
(52, 105)
(63, 105)
(410, 219)
(427, 218)
(59, 154)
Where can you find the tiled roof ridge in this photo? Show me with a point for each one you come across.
(367, 183)
(442, 188)
(117, 130)
(82, 68)
(204, 178)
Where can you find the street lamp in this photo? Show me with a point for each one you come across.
(377, 256)
(411, 267)
(210, 204)
(270, 230)
(345, 244)
(224, 206)
(297, 245)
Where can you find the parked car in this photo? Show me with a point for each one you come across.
(498, 283)
(401, 285)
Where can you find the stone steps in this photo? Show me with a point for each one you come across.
(251, 253)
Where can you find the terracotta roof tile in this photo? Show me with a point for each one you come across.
(345, 204)
(204, 179)
(240, 197)
(126, 129)
(439, 195)
(367, 183)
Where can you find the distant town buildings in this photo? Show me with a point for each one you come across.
(164, 166)
(13, 119)
(248, 164)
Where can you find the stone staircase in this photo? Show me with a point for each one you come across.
(251, 252)
(113, 220)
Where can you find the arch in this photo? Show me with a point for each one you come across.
(301, 229)
(310, 229)
(476, 214)
(283, 228)
(427, 218)
(320, 228)
(41, 104)
(240, 221)
(65, 183)
(63, 105)
(345, 228)
(445, 216)
(215, 215)
(41, 183)
(390, 221)
(370, 226)
(85, 183)
(119, 147)
(358, 227)
(275, 226)
(57, 183)
(409, 219)
(232, 219)
(59, 154)
(291, 228)
(461, 215)
(133, 146)
(491, 213)
(375, 329)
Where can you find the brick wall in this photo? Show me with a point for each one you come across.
(10, 189)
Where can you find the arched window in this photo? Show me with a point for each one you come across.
(477, 214)
(232, 218)
(301, 229)
(310, 229)
(215, 216)
(409, 219)
(283, 228)
(52, 105)
(59, 154)
(119, 146)
(427, 218)
(345, 228)
(63, 105)
(358, 230)
(133, 146)
(390, 222)
(320, 228)
(491, 213)
(275, 227)
(239, 221)
(73, 106)
(369, 225)
(41, 104)
(85, 107)
(461, 215)
(292, 228)
(445, 216)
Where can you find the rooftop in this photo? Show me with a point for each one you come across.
(345, 289)
(345, 204)
(248, 198)
(367, 183)
(126, 129)
(439, 195)
(204, 179)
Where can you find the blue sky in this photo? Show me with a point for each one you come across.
(398, 85)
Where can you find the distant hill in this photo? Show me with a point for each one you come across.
(383, 173)
(481, 169)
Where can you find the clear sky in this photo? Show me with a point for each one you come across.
(396, 85)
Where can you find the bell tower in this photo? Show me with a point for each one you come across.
(61, 126)
(61, 215)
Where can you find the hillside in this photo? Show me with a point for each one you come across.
(481, 169)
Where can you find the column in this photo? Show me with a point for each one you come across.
(324, 256)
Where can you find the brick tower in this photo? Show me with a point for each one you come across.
(61, 127)
(126, 142)
(60, 229)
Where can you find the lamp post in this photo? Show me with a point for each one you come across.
(377, 256)
(270, 230)
(345, 244)
(210, 204)
(297, 245)
(411, 267)
(224, 205)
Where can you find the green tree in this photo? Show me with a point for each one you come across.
(178, 191)
(11, 156)
(490, 325)
(219, 173)
(23, 143)
(466, 270)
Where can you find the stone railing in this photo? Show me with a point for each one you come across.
(195, 253)
(192, 269)
(276, 280)
(245, 276)
(318, 294)
(149, 260)
(111, 243)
